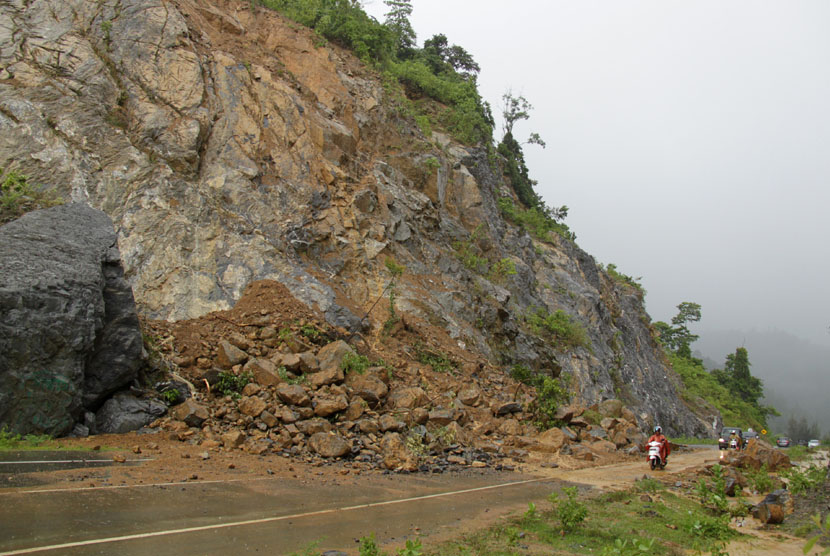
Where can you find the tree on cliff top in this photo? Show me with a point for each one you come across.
(677, 337)
(397, 19)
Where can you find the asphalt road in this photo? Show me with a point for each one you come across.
(268, 516)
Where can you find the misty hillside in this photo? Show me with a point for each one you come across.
(796, 373)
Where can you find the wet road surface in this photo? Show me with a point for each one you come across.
(269, 516)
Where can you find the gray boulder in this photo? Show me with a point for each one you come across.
(69, 333)
(124, 413)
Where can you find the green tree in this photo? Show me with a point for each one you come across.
(443, 57)
(737, 378)
(748, 387)
(397, 20)
(514, 109)
(677, 337)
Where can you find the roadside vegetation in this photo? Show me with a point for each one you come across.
(11, 441)
(646, 519)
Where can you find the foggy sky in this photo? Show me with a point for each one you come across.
(690, 140)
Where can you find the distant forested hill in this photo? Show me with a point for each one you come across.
(796, 373)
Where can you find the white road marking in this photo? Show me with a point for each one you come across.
(261, 520)
(33, 462)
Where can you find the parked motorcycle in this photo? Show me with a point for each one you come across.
(654, 458)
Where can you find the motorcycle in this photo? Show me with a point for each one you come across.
(654, 458)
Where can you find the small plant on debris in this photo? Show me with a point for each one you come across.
(550, 394)
(368, 546)
(310, 331)
(171, 396)
(415, 445)
(231, 384)
(291, 378)
(354, 363)
(436, 359)
(444, 435)
(760, 479)
(412, 548)
(712, 494)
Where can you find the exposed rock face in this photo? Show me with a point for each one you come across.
(227, 148)
(69, 334)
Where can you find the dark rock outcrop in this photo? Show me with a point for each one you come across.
(124, 413)
(69, 334)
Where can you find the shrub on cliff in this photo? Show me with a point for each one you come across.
(18, 196)
(442, 72)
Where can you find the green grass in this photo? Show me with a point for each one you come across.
(11, 441)
(799, 453)
(671, 522)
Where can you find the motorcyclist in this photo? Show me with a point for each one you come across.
(734, 440)
(665, 449)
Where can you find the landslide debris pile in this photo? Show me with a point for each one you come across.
(305, 392)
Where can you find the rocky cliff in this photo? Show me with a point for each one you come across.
(229, 146)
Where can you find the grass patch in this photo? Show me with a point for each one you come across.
(799, 453)
(10, 441)
(614, 523)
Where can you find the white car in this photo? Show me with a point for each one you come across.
(813, 444)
